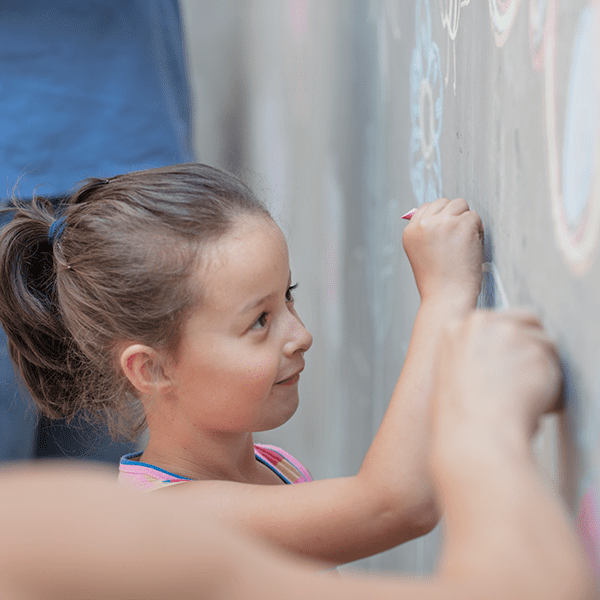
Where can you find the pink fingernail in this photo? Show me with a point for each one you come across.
(409, 214)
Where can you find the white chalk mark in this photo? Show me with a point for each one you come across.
(450, 10)
(503, 13)
(426, 120)
(451, 15)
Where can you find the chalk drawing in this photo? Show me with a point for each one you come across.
(492, 293)
(575, 176)
(426, 104)
(450, 20)
(503, 13)
(538, 9)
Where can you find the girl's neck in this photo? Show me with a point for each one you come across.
(228, 457)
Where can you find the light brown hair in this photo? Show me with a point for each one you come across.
(120, 270)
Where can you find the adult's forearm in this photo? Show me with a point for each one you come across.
(505, 529)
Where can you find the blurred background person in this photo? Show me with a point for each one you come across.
(89, 88)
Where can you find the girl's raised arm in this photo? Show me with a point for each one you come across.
(391, 499)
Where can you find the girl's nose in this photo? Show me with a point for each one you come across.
(300, 339)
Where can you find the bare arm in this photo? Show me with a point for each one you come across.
(506, 530)
(72, 533)
(444, 245)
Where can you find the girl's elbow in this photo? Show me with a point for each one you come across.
(426, 516)
(411, 520)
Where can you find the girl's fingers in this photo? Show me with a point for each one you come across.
(437, 206)
(477, 222)
(457, 206)
(430, 208)
(454, 207)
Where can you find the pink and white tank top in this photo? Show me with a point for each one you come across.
(146, 477)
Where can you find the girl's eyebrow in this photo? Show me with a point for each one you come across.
(254, 303)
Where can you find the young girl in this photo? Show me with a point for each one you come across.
(164, 298)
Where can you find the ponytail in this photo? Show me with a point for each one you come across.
(39, 344)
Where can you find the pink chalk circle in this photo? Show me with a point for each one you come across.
(574, 169)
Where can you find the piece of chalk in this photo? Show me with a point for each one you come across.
(410, 213)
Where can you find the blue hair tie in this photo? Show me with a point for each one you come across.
(56, 230)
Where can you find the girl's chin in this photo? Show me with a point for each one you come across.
(281, 418)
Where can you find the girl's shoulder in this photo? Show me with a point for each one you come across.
(283, 463)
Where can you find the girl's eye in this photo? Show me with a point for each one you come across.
(260, 322)
(288, 294)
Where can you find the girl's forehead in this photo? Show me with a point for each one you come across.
(250, 234)
(254, 225)
(255, 246)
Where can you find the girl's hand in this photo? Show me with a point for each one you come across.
(444, 244)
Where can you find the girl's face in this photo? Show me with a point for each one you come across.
(242, 350)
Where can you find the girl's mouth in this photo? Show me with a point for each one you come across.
(291, 380)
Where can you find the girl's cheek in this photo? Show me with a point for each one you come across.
(260, 370)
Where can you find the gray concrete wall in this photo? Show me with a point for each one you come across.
(344, 115)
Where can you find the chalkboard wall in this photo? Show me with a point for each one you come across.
(344, 115)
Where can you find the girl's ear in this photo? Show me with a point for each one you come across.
(141, 366)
